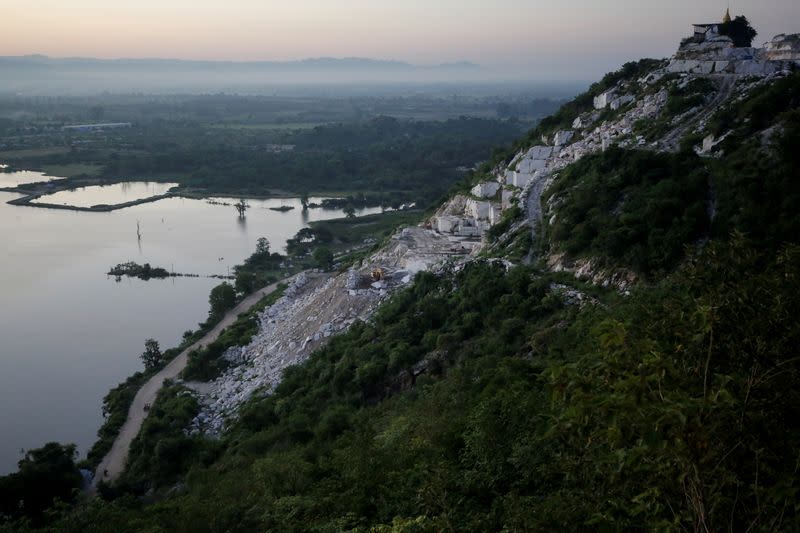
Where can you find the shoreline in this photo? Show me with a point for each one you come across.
(29, 201)
(30, 195)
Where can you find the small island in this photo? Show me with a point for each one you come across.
(282, 208)
(143, 272)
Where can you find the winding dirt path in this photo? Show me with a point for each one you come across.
(113, 463)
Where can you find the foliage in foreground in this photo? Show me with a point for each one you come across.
(480, 401)
(46, 476)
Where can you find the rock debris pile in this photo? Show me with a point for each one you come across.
(313, 308)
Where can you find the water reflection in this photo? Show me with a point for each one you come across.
(23, 177)
(69, 333)
(116, 193)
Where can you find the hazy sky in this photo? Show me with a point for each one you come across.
(570, 38)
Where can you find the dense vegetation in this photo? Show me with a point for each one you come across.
(739, 30)
(490, 397)
(215, 145)
(46, 477)
(135, 270)
(483, 400)
(639, 209)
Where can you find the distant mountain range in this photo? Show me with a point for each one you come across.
(317, 62)
(38, 74)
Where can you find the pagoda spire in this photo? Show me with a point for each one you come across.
(727, 18)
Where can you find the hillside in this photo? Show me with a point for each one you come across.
(598, 330)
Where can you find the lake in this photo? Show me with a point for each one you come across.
(113, 194)
(13, 179)
(69, 333)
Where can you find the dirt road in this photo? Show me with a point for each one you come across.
(113, 463)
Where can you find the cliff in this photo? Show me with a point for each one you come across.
(597, 331)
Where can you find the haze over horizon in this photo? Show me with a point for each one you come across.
(573, 39)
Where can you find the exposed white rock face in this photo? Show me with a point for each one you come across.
(719, 56)
(312, 309)
(619, 278)
(715, 45)
(535, 158)
(621, 101)
(525, 166)
(446, 223)
(495, 214)
(478, 210)
(562, 137)
(463, 217)
(506, 198)
(486, 189)
(783, 48)
(602, 101)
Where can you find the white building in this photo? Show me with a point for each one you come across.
(705, 32)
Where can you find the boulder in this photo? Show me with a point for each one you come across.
(562, 137)
(601, 101)
(486, 189)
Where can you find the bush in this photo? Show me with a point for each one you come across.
(638, 208)
(46, 475)
(221, 300)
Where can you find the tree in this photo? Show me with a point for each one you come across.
(350, 210)
(262, 246)
(241, 206)
(305, 235)
(45, 475)
(304, 200)
(221, 299)
(740, 30)
(151, 356)
(245, 282)
(324, 258)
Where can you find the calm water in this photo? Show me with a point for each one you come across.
(68, 332)
(116, 193)
(12, 179)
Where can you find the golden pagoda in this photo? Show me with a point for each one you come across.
(727, 18)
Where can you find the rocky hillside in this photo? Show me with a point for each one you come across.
(597, 331)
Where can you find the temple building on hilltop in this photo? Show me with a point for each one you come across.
(707, 32)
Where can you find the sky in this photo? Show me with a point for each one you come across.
(567, 38)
